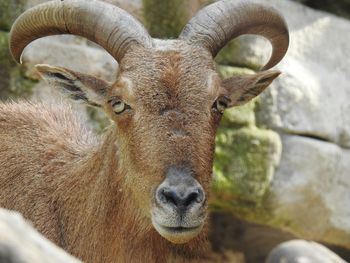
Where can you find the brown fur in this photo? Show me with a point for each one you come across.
(93, 196)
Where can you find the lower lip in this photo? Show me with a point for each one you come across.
(177, 230)
(178, 235)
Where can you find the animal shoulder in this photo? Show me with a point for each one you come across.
(44, 122)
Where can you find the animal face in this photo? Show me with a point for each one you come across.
(167, 104)
(167, 101)
(168, 128)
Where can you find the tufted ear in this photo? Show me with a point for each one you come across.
(243, 88)
(76, 86)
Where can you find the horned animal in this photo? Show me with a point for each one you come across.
(139, 192)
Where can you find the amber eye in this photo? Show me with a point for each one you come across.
(118, 105)
(221, 104)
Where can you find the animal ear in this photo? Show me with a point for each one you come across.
(243, 88)
(76, 86)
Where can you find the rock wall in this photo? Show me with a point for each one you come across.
(308, 109)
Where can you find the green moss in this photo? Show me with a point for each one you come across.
(6, 64)
(228, 53)
(237, 55)
(20, 86)
(244, 166)
(13, 82)
(244, 163)
(245, 155)
(9, 11)
(5, 58)
(164, 19)
(229, 71)
(238, 117)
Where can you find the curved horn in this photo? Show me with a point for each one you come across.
(105, 24)
(217, 24)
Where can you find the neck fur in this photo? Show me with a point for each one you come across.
(108, 220)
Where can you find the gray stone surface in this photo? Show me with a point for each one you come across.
(246, 51)
(70, 52)
(20, 243)
(312, 96)
(310, 190)
(301, 251)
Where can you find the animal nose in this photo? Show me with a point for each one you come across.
(180, 190)
(182, 199)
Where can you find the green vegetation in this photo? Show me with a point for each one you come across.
(10, 10)
(164, 19)
(245, 162)
(13, 82)
(226, 54)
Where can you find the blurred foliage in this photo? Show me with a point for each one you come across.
(6, 63)
(9, 11)
(338, 7)
(164, 19)
(13, 82)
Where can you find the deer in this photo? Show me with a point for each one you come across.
(139, 192)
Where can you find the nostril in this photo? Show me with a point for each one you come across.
(199, 195)
(191, 198)
(196, 195)
(169, 196)
(179, 198)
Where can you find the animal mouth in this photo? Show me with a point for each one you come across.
(179, 229)
(178, 234)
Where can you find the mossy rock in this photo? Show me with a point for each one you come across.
(228, 53)
(245, 160)
(164, 19)
(9, 11)
(13, 82)
(239, 117)
(243, 52)
(244, 163)
(230, 71)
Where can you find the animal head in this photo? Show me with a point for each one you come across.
(167, 100)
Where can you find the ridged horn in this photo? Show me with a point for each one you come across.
(105, 24)
(216, 24)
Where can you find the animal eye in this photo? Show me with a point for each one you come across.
(221, 104)
(118, 105)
